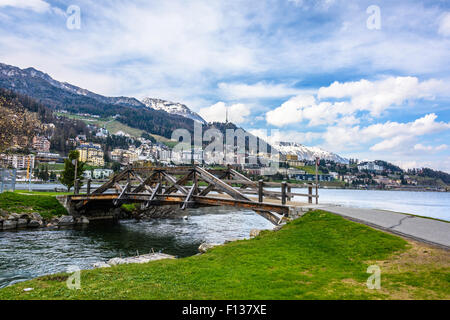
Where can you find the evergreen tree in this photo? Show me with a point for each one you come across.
(67, 176)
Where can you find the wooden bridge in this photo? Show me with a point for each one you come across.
(191, 187)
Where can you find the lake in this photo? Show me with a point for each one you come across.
(429, 204)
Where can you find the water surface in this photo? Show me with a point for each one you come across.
(31, 253)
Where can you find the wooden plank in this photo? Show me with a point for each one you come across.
(118, 187)
(242, 204)
(211, 179)
(174, 183)
(145, 184)
(111, 182)
(275, 219)
(153, 195)
(116, 201)
(210, 187)
(260, 191)
(179, 182)
(188, 197)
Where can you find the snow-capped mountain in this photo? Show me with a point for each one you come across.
(308, 153)
(172, 108)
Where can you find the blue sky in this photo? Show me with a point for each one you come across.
(315, 71)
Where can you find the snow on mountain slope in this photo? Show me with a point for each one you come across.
(308, 153)
(172, 108)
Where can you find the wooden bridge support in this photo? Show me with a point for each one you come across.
(181, 186)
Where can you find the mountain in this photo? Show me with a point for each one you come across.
(308, 153)
(172, 108)
(33, 82)
(152, 115)
(60, 95)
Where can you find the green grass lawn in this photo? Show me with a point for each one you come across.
(42, 193)
(319, 256)
(46, 205)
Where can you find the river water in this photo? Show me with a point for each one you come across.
(31, 253)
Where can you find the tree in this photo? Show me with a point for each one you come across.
(115, 166)
(67, 176)
(17, 125)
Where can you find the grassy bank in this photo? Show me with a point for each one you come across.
(319, 256)
(46, 205)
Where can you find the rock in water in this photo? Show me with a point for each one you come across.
(9, 224)
(84, 220)
(22, 223)
(66, 221)
(34, 224)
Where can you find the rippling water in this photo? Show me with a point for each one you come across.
(28, 254)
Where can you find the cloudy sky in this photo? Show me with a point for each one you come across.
(365, 79)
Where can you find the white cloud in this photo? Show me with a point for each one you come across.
(394, 135)
(291, 111)
(422, 147)
(35, 5)
(392, 143)
(257, 90)
(237, 112)
(419, 127)
(306, 107)
(444, 25)
(370, 96)
(377, 96)
(442, 164)
(275, 136)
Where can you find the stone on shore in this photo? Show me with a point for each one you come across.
(16, 216)
(24, 216)
(206, 246)
(140, 259)
(101, 264)
(231, 240)
(13, 216)
(36, 216)
(254, 232)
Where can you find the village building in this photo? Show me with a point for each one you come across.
(92, 154)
